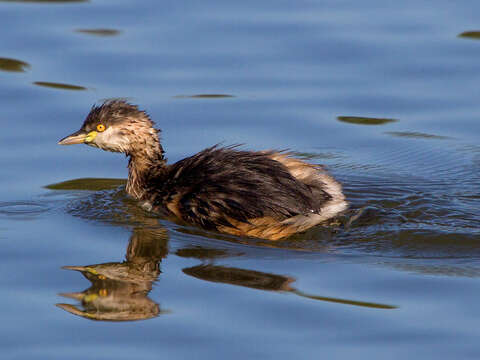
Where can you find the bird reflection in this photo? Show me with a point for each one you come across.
(253, 279)
(265, 281)
(119, 290)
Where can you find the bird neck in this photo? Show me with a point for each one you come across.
(144, 164)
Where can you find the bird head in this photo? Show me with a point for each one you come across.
(115, 125)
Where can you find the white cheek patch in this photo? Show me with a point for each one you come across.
(112, 140)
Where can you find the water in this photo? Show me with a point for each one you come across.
(383, 93)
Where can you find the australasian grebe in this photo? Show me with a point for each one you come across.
(263, 194)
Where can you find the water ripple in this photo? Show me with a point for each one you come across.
(22, 208)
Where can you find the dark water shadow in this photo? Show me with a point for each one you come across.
(99, 32)
(204, 96)
(473, 35)
(416, 135)
(358, 120)
(59, 86)
(13, 65)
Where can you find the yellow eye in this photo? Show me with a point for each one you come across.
(100, 127)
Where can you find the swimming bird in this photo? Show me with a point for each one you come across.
(263, 194)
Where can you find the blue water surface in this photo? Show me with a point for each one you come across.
(384, 93)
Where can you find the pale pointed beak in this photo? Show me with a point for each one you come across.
(77, 137)
(76, 268)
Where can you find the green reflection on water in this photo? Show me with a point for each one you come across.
(91, 184)
(475, 35)
(358, 120)
(59, 86)
(13, 65)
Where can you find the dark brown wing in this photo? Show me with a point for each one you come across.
(221, 187)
